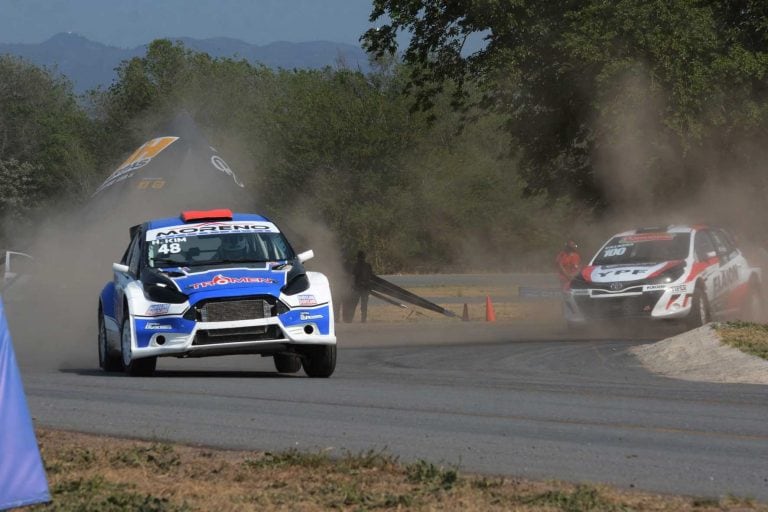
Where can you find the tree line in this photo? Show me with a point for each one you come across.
(438, 159)
(417, 191)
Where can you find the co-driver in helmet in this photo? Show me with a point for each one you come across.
(233, 247)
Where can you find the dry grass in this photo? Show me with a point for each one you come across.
(746, 336)
(93, 473)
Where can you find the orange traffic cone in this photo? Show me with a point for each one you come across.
(465, 314)
(490, 314)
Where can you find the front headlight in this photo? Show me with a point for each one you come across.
(668, 276)
(160, 292)
(296, 285)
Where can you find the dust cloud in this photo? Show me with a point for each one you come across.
(53, 313)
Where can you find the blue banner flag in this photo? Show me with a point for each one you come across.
(22, 477)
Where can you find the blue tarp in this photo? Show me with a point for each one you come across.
(22, 477)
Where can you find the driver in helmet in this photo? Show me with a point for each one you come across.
(233, 247)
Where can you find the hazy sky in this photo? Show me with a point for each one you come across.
(129, 23)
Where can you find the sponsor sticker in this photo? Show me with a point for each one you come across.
(222, 166)
(154, 326)
(308, 316)
(681, 288)
(151, 183)
(210, 228)
(580, 292)
(650, 287)
(647, 237)
(307, 300)
(158, 309)
(140, 158)
(222, 280)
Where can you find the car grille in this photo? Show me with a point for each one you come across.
(633, 306)
(233, 309)
(237, 335)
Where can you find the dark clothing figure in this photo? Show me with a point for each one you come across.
(361, 286)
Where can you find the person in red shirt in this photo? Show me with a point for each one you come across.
(568, 263)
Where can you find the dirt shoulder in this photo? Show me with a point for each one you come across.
(700, 355)
(96, 473)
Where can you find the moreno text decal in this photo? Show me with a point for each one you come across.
(211, 228)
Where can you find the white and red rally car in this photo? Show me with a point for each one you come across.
(694, 273)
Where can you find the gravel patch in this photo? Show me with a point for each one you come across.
(700, 356)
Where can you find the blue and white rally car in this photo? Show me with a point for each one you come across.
(215, 283)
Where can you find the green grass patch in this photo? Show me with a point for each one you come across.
(748, 337)
(582, 499)
(288, 458)
(99, 495)
(423, 472)
(160, 456)
(96, 473)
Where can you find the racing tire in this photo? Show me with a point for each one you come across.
(319, 361)
(143, 367)
(699, 314)
(287, 363)
(108, 362)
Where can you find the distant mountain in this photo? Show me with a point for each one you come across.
(89, 64)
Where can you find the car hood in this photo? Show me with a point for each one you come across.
(624, 273)
(262, 281)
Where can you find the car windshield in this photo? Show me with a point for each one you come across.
(644, 248)
(217, 249)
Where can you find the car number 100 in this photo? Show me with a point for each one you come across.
(614, 251)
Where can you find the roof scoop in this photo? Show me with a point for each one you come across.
(206, 215)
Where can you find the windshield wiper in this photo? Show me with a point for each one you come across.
(168, 260)
(220, 262)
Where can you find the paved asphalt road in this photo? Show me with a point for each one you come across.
(520, 400)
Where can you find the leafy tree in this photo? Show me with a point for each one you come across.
(568, 74)
(20, 186)
(42, 125)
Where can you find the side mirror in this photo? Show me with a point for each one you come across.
(306, 255)
(119, 267)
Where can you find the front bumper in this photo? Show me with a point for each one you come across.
(176, 336)
(643, 302)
